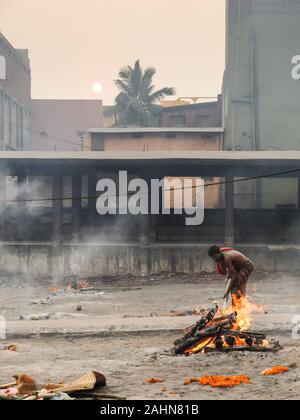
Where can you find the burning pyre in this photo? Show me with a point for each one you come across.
(225, 332)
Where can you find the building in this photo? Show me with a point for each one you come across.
(161, 139)
(182, 112)
(62, 240)
(60, 124)
(186, 112)
(261, 90)
(32, 124)
(15, 97)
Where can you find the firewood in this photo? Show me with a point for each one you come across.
(231, 317)
(219, 343)
(189, 332)
(230, 341)
(95, 395)
(245, 334)
(249, 341)
(214, 329)
(258, 349)
(10, 385)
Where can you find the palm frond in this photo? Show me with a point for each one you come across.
(159, 95)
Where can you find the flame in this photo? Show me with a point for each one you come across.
(245, 309)
(200, 346)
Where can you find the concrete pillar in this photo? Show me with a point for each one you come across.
(92, 183)
(144, 230)
(76, 207)
(22, 207)
(229, 211)
(3, 192)
(146, 235)
(299, 192)
(153, 228)
(57, 209)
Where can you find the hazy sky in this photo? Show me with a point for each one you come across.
(75, 43)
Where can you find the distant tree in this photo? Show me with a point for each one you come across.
(137, 104)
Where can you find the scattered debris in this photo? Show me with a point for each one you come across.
(56, 315)
(79, 308)
(180, 313)
(9, 347)
(224, 381)
(155, 381)
(25, 384)
(276, 370)
(89, 381)
(41, 302)
(189, 381)
(25, 388)
(35, 317)
(9, 385)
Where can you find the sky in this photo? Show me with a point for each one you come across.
(74, 44)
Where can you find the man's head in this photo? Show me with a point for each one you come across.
(215, 253)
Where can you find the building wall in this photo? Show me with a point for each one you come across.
(150, 142)
(97, 260)
(161, 142)
(15, 88)
(60, 124)
(262, 82)
(207, 114)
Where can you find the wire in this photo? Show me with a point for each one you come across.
(234, 181)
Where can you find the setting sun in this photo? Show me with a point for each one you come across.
(97, 88)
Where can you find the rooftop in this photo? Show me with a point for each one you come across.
(134, 130)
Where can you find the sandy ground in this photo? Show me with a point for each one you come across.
(57, 349)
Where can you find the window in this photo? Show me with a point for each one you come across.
(178, 120)
(171, 135)
(2, 68)
(203, 121)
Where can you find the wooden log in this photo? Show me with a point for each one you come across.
(10, 385)
(257, 349)
(209, 332)
(189, 332)
(244, 334)
(231, 317)
(187, 344)
(214, 329)
(96, 395)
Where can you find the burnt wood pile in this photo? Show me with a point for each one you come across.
(214, 333)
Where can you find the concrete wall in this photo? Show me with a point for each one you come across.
(15, 87)
(145, 142)
(161, 142)
(262, 65)
(95, 261)
(59, 124)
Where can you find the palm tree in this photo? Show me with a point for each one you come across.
(137, 104)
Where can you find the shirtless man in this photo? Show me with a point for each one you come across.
(237, 267)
